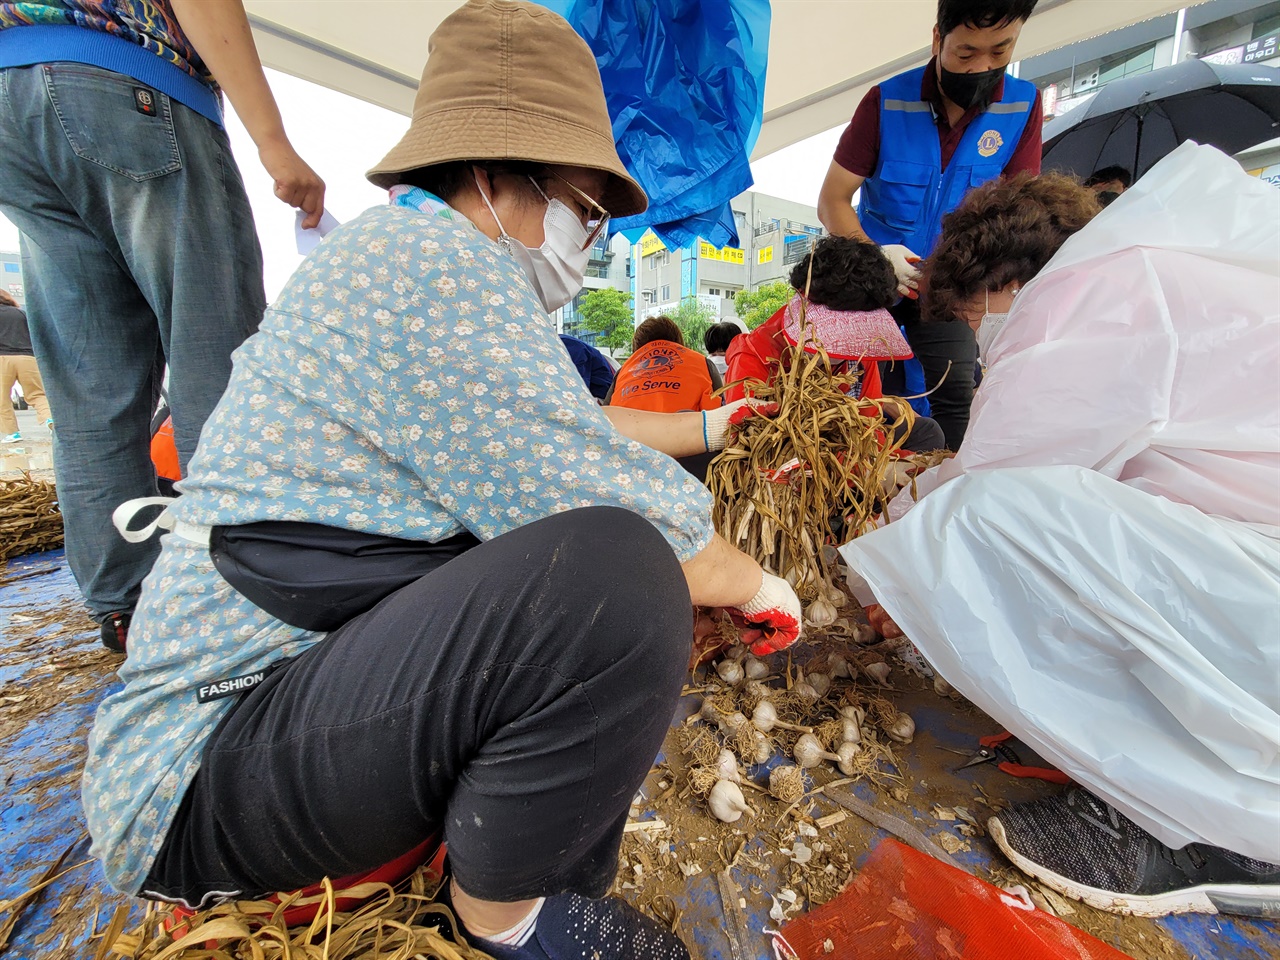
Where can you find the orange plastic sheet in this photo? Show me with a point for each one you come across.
(905, 905)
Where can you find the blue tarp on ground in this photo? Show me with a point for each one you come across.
(49, 651)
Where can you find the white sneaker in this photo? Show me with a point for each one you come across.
(12, 438)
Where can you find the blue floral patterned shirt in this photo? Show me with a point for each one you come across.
(407, 383)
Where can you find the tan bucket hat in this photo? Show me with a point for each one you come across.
(508, 80)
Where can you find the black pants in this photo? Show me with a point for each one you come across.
(514, 699)
(935, 345)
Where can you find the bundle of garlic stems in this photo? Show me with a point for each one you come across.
(825, 454)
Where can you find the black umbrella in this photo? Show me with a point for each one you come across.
(1135, 122)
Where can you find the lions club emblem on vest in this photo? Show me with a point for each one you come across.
(989, 143)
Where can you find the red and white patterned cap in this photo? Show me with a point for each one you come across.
(847, 334)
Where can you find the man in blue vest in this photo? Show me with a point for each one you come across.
(917, 143)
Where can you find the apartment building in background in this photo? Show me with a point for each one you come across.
(775, 234)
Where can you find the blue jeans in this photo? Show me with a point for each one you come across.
(138, 247)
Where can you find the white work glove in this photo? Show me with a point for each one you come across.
(717, 423)
(770, 621)
(904, 261)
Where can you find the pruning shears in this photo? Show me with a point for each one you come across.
(1012, 756)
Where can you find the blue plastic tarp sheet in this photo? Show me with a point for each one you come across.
(684, 81)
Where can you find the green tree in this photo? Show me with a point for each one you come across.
(693, 318)
(758, 305)
(608, 313)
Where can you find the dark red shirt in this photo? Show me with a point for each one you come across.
(859, 148)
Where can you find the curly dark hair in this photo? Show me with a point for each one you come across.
(1003, 231)
(656, 328)
(848, 274)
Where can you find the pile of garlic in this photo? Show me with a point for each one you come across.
(752, 717)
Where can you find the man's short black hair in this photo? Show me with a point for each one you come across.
(1107, 174)
(981, 13)
(848, 274)
(719, 336)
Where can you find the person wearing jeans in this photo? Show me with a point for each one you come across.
(138, 244)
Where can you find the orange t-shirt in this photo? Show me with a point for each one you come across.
(664, 377)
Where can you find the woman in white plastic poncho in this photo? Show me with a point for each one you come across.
(1099, 567)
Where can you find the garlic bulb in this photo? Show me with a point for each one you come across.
(786, 783)
(727, 767)
(730, 671)
(864, 635)
(854, 713)
(736, 652)
(763, 748)
(845, 755)
(903, 729)
(809, 753)
(879, 672)
(942, 688)
(755, 669)
(727, 803)
(821, 613)
(851, 732)
(820, 682)
(765, 718)
(757, 689)
(805, 689)
(836, 597)
(733, 722)
(709, 712)
(838, 666)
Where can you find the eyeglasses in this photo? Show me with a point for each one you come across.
(595, 227)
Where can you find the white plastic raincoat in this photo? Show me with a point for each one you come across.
(1099, 567)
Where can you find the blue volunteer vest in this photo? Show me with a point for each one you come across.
(905, 200)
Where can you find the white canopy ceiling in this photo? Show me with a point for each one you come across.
(823, 54)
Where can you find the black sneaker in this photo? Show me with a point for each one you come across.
(1086, 849)
(570, 926)
(115, 631)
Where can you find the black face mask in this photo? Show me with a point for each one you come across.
(967, 90)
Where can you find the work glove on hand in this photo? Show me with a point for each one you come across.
(717, 423)
(769, 621)
(904, 261)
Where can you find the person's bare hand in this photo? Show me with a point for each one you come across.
(295, 182)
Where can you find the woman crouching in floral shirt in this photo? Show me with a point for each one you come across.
(418, 587)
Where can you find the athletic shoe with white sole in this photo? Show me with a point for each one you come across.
(570, 927)
(1087, 850)
(12, 438)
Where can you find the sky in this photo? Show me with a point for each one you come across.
(342, 137)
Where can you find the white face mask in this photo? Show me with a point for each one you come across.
(554, 270)
(992, 324)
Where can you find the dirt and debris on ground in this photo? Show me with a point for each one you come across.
(800, 855)
(787, 858)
